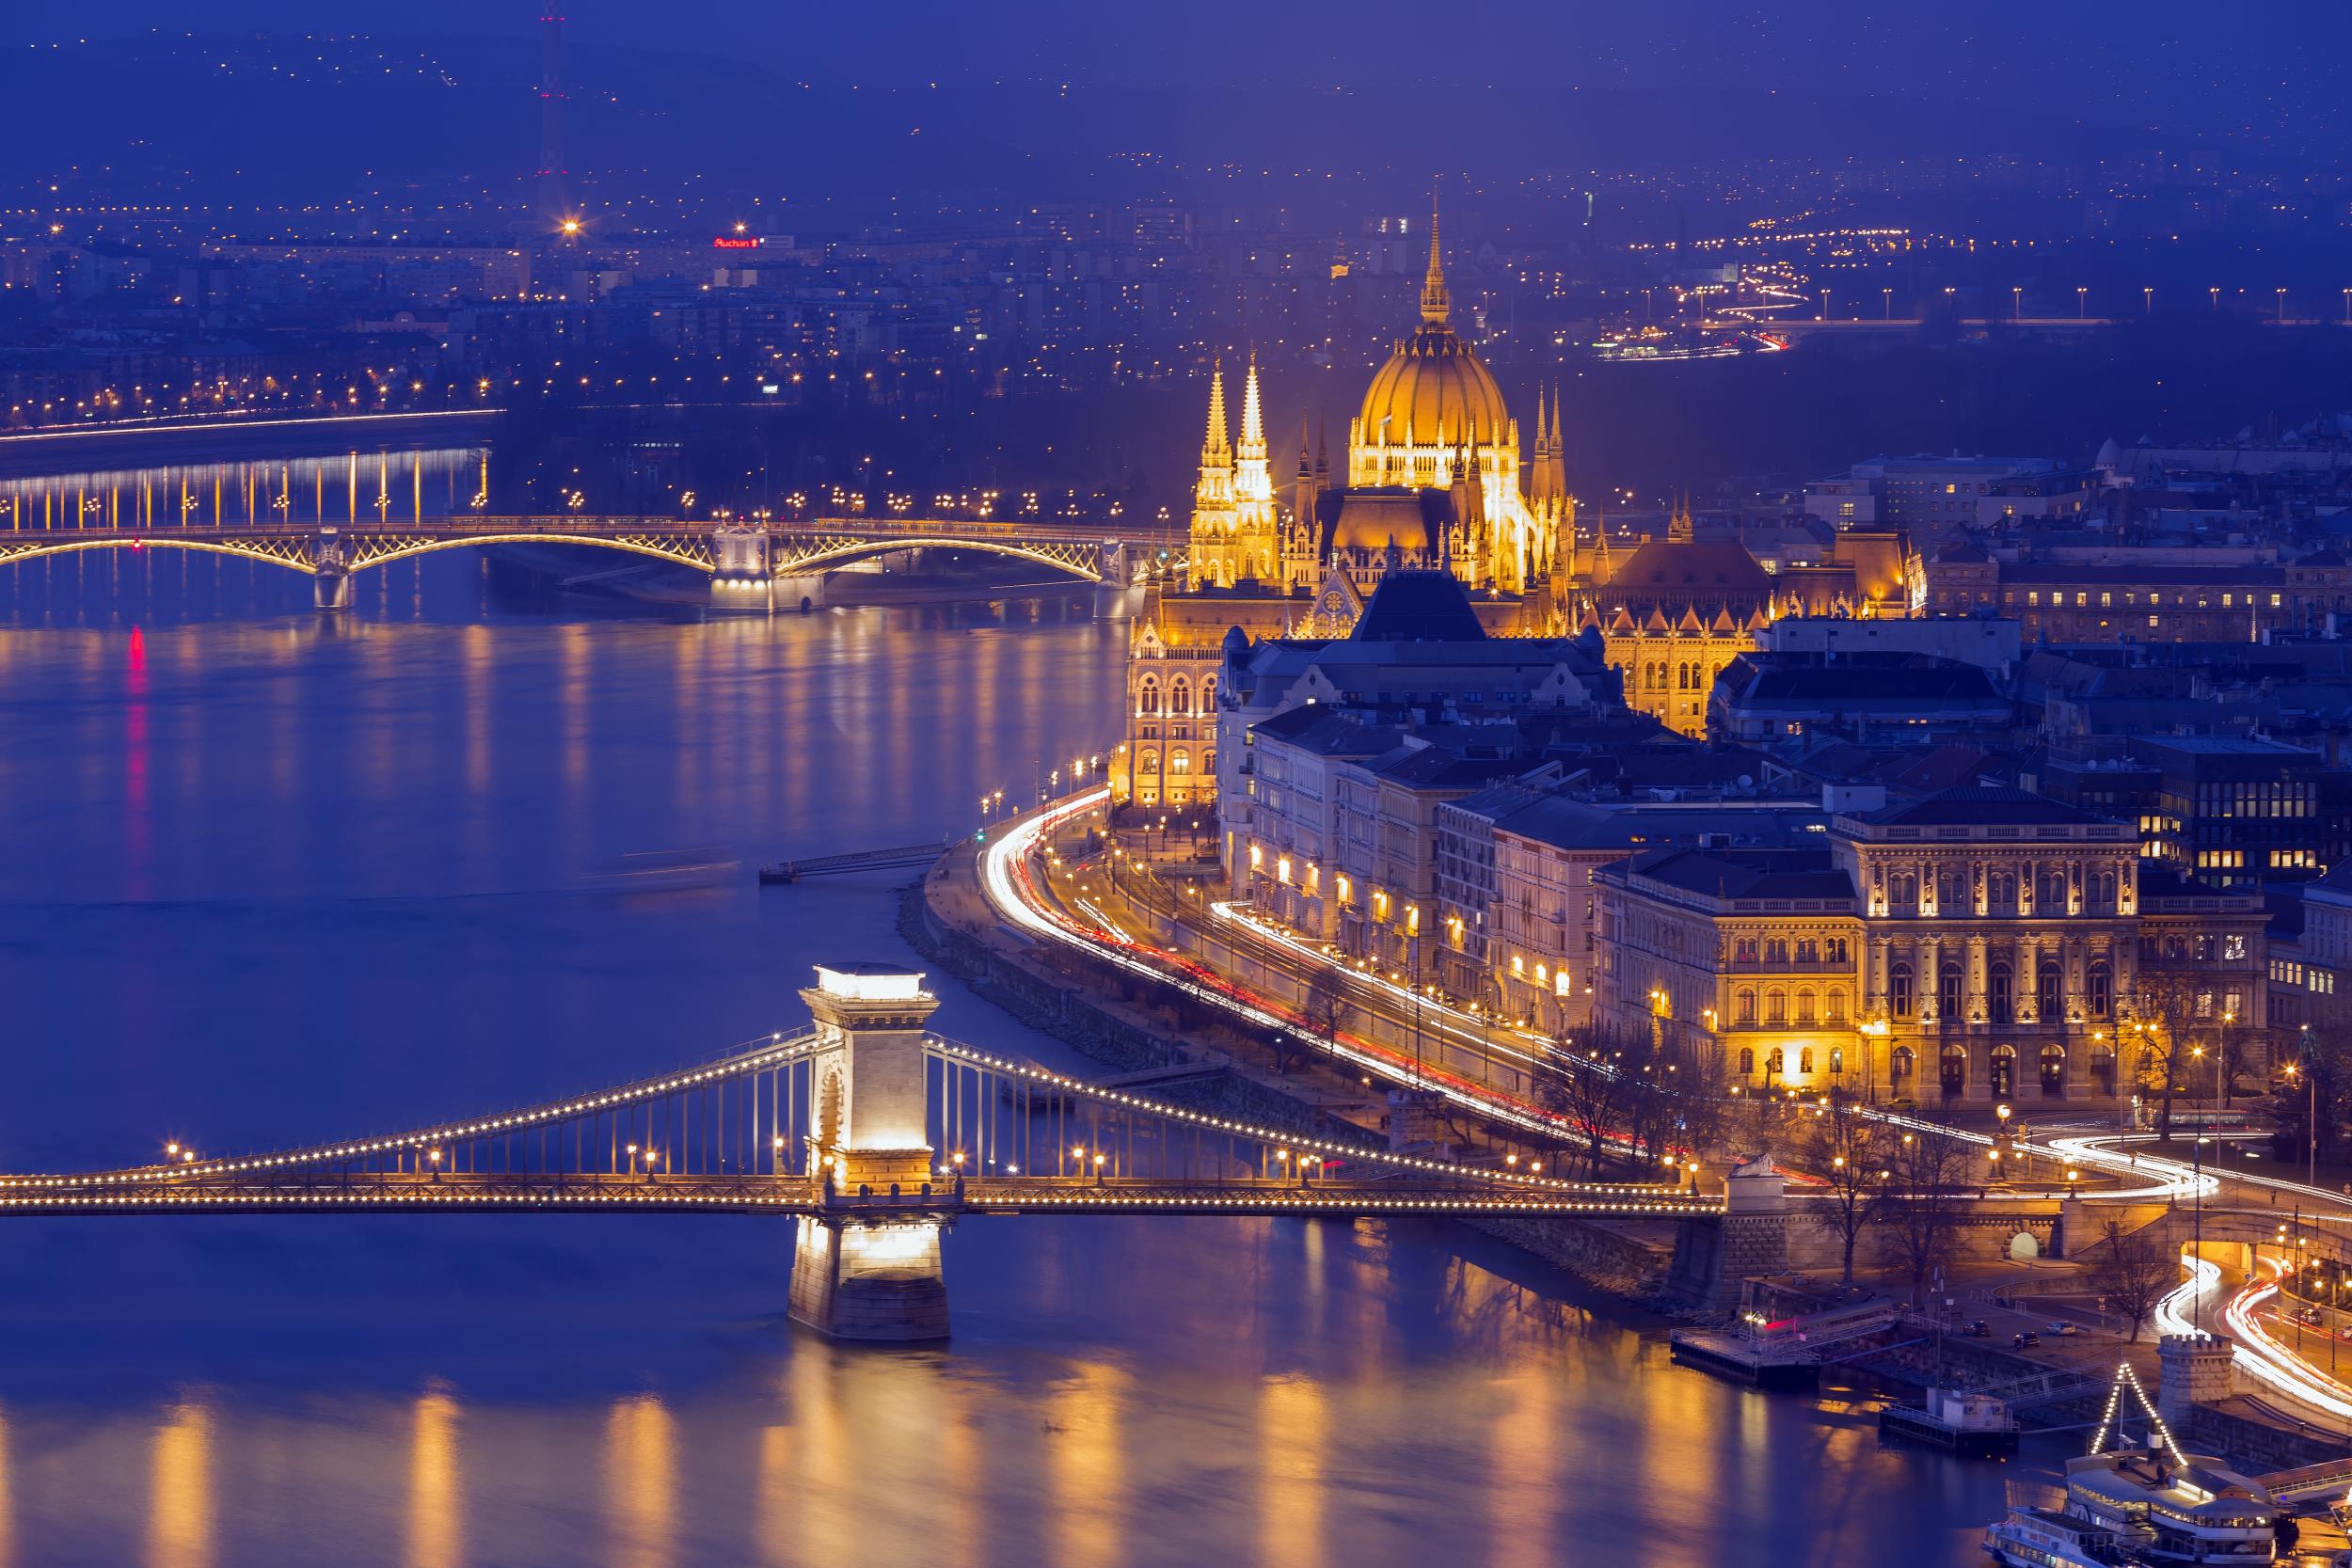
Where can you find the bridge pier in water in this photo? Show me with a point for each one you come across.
(331, 590)
(875, 1275)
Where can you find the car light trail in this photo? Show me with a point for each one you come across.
(2272, 1362)
(1005, 880)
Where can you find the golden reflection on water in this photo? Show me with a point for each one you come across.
(436, 1506)
(1084, 1468)
(640, 1483)
(1519, 1522)
(1292, 1423)
(180, 1514)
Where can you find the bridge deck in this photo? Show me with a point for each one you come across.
(379, 1192)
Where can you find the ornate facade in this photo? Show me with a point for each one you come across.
(1977, 945)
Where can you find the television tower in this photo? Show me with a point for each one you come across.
(554, 202)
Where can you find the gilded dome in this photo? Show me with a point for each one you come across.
(1435, 386)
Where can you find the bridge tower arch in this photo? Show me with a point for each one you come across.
(874, 1273)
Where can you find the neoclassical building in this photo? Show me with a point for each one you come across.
(1981, 945)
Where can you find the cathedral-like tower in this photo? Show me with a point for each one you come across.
(1211, 554)
(1236, 535)
(1257, 535)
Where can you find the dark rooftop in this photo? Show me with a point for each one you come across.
(1419, 607)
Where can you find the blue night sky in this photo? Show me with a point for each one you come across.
(2116, 54)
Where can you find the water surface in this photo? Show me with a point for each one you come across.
(266, 877)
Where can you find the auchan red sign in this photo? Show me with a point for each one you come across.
(736, 242)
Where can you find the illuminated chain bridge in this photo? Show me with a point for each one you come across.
(873, 1132)
(752, 565)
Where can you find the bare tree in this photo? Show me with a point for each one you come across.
(1589, 1093)
(2133, 1273)
(1929, 1174)
(1327, 1008)
(2174, 1034)
(1849, 1150)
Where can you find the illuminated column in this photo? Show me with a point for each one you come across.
(864, 1270)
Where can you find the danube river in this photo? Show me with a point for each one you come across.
(266, 877)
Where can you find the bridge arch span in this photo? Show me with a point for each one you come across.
(1076, 559)
(679, 551)
(293, 557)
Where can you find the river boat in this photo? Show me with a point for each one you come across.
(2047, 1538)
(2174, 1510)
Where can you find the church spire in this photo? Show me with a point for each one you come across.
(1217, 444)
(1436, 304)
(1252, 422)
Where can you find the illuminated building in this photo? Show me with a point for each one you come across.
(1980, 945)
(1433, 481)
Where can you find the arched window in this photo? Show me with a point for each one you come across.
(1775, 1006)
(1804, 1007)
(2054, 1069)
(1148, 762)
(2101, 987)
(1999, 997)
(1837, 1006)
(1774, 1063)
(2047, 999)
(1747, 1061)
(1776, 951)
(1179, 760)
(1208, 762)
(1835, 950)
(1743, 1005)
(1208, 693)
(1953, 1071)
(1148, 702)
(1809, 951)
(1898, 997)
(2004, 1070)
(1836, 1061)
(1744, 950)
(1805, 1060)
(1948, 993)
(1900, 1064)
(1180, 697)
(1902, 892)
(2102, 1068)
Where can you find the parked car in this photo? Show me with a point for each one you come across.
(2059, 1325)
(1979, 1329)
(2028, 1337)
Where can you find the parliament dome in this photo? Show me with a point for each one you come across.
(1435, 386)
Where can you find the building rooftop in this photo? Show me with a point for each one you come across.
(1419, 607)
(1745, 873)
(1980, 806)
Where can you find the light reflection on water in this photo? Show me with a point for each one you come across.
(262, 879)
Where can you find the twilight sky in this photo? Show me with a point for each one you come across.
(2124, 53)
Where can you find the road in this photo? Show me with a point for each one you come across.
(1055, 904)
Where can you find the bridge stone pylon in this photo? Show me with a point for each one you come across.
(874, 1273)
(331, 581)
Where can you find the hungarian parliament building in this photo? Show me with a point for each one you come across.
(1437, 477)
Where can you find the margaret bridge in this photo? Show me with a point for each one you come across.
(872, 1133)
(752, 565)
